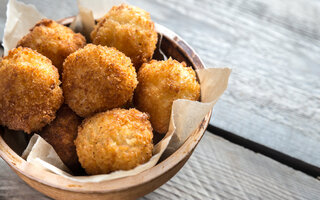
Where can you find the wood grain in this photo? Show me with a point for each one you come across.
(273, 48)
(218, 169)
(221, 170)
(273, 98)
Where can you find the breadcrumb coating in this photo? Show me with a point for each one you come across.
(130, 30)
(53, 40)
(61, 133)
(96, 79)
(30, 93)
(114, 140)
(160, 83)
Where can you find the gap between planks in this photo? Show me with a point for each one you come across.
(266, 151)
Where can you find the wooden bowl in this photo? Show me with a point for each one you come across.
(131, 187)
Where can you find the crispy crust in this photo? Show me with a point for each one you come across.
(53, 40)
(160, 83)
(130, 30)
(96, 79)
(61, 133)
(29, 90)
(114, 140)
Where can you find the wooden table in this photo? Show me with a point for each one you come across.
(217, 169)
(272, 105)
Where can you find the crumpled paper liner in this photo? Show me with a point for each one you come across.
(32, 155)
(20, 19)
(88, 12)
(186, 115)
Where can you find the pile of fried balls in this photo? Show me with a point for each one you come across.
(97, 104)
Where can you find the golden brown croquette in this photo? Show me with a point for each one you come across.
(30, 93)
(114, 140)
(160, 83)
(61, 133)
(96, 79)
(130, 30)
(53, 40)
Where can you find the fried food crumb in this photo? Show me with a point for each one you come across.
(61, 133)
(160, 83)
(114, 140)
(53, 40)
(130, 30)
(96, 79)
(30, 93)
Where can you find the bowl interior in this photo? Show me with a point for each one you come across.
(10, 150)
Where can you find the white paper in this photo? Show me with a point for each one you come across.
(88, 12)
(20, 19)
(32, 154)
(187, 115)
(99, 7)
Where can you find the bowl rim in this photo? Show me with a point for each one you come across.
(59, 182)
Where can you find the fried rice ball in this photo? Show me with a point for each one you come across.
(30, 93)
(61, 133)
(53, 40)
(96, 79)
(130, 30)
(160, 83)
(118, 139)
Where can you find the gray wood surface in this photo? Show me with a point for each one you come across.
(273, 98)
(217, 169)
(273, 48)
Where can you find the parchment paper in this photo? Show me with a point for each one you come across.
(90, 10)
(32, 155)
(20, 19)
(186, 115)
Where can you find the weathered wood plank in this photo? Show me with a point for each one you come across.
(273, 97)
(217, 169)
(12, 187)
(274, 50)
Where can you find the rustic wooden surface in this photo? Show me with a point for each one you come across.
(273, 98)
(217, 169)
(273, 48)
